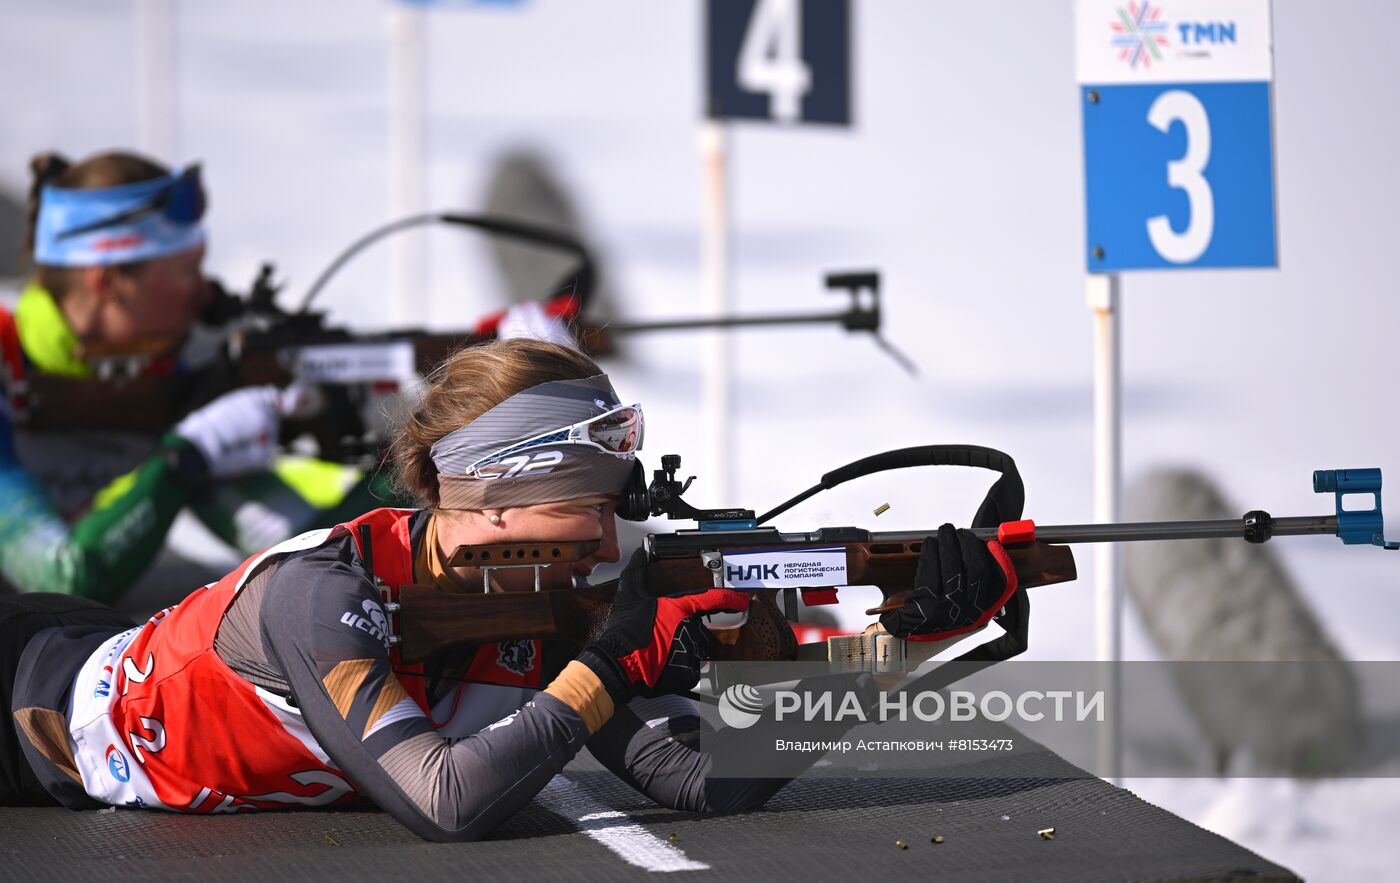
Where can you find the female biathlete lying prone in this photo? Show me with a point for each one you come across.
(276, 687)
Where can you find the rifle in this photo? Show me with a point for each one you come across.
(525, 590)
(136, 388)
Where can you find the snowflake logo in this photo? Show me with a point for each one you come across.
(1140, 34)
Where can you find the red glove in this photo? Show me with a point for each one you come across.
(654, 644)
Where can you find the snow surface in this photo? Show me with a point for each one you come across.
(961, 182)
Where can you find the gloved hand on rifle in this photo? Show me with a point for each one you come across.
(652, 645)
(960, 583)
(236, 433)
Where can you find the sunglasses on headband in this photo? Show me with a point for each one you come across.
(617, 432)
(181, 200)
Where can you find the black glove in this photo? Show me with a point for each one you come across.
(959, 585)
(654, 645)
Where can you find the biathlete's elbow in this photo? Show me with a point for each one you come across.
(727, 797)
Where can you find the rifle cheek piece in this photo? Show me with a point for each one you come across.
(635, 504)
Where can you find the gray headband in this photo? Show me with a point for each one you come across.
(543, 473)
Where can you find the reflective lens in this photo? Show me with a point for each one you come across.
(618, 431)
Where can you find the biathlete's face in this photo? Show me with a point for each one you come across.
(162, 298)
(586, 518)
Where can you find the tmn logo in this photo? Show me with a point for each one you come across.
(1206, 33)
(1140, 34)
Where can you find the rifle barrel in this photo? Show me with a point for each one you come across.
(727, 322)
(1226, 528)
(686, 543)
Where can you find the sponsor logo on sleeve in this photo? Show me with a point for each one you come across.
(371, 621)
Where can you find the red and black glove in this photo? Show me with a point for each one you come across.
(654, 645)
(959, 585)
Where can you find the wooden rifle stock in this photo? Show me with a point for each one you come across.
(1036, 564)
(430, 619)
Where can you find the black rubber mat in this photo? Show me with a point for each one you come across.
(589, 826)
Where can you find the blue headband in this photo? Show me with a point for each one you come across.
(120, 225)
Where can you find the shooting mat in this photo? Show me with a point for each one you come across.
(587, 825)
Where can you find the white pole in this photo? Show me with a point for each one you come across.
(406, 160)
(155, 79)
(1106, 303)
(714, 300)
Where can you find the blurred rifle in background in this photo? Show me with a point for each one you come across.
(357, 376)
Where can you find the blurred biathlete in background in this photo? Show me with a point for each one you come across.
(278, 686)
(116, 243)
(117, 248)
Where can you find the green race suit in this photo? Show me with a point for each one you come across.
(86, 513)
